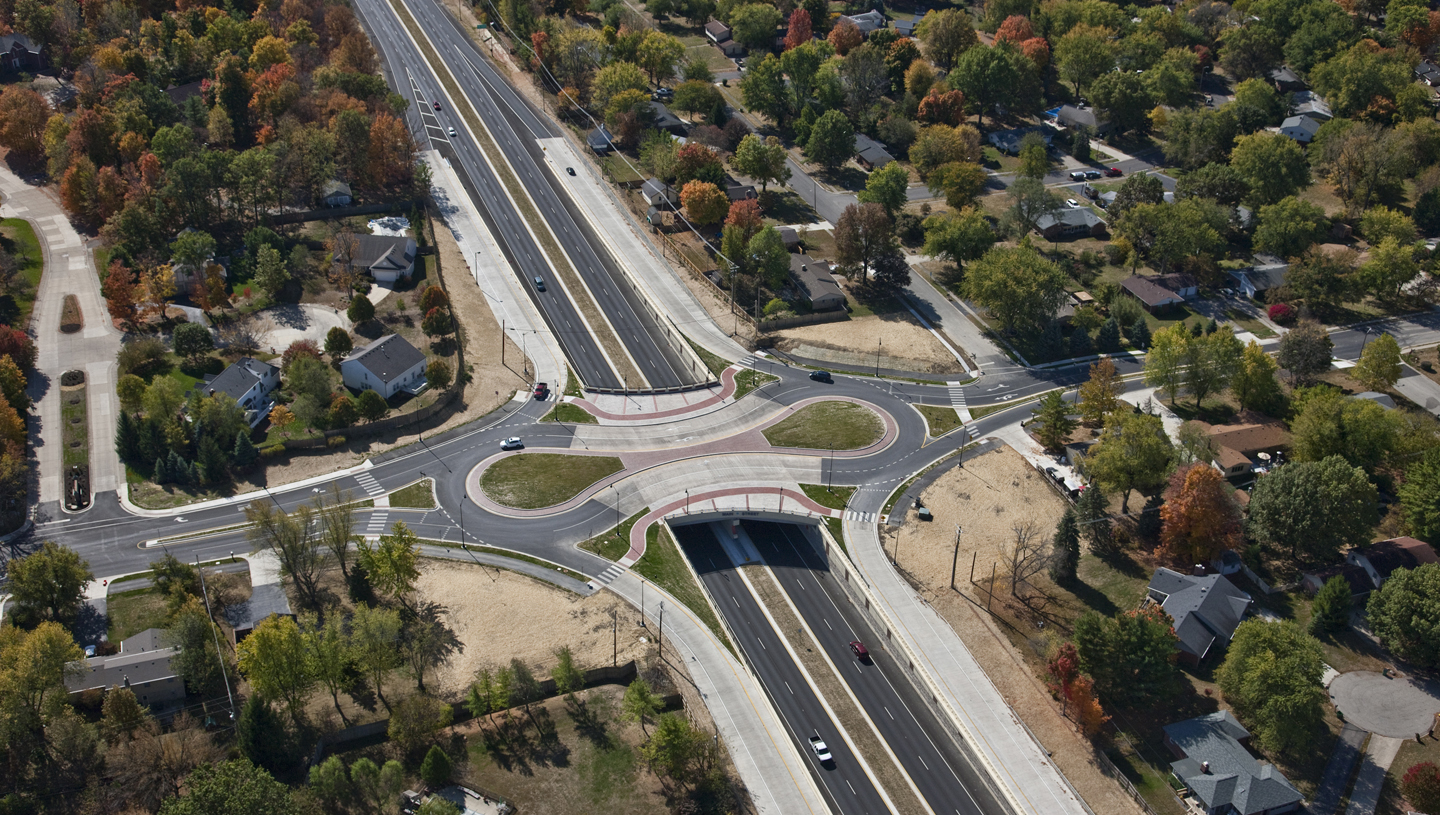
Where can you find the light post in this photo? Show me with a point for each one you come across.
(878, 344)
(955, 558)
(687, 502)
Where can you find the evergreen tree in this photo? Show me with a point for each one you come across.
(262, 737)
(1331, 611)
(1093, 516)
(436, 768)
(179, 469)
(1109, 337)
(1080, 345)
(1052, 342)
(1066, 558)
(211, 465)
(245, 454)
(1052, 424)
(1140, 334)
(127, 441)
(161, 473)
(719, 115)
(1212, 326)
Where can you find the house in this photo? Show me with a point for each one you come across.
(1428, 72)
(1008, 141)
(1160, 292)
(1080, 117)
(1239, 443)
(656, 193)
(249, 382)
(386, 257)
(143, 666)
(1300, 128)
(906, 28)
(1225, 779)
(20, 53)
(180, 94)
(815, 283)
(1286, 80)
(1268, 273)
(335, 193)
(717, 31)
(664, 120)
(737, 191)
(387, 366)
(868, 22)
(790, 238)
(1206, 609)
(1078, 222)
(598, 140)
(1308, 103)
(1354, 575)
(1380, 560)
(732, 49)
(186, 274)
(871, 154)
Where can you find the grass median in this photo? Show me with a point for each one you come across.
(573, 414)
(663, 565)
(420, 495)
(537, 480)
(614, 544)
(833, 498)
(827, 426)
(939, 420)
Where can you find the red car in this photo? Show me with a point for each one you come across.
(541, 389)
(1114, 172)
(437, 105)
(858, 648)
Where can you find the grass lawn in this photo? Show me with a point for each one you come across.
(102, 262)
(572, 385)
(714, 363)
(826, 426)
(18, 238)
(133, 611)
(420, 495)
(992, 159)
(535, 480)
(832, 497)
(1410, 754)
(787, 208)
(750, 379)
(1250, 324)
(574, 414)
(188, 373)
(618, 170)
(711, 56)
(820, 244)
(939, 420)
(663, 565)
(76, 435)
(614, 544)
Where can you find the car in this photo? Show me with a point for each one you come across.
(1229, 292)
(539, 283)
(570, 170)
(1078, 175)
(821, 376)
(860, 651)
(541, 388)
(1092, 174)
(512, 443)
(1209, 100)
(1114, 172)
(437, 105)
(740, 63)
(1072, 203)
(451, 131)
(821, 751)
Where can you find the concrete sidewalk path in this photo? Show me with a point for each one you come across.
(1371, 778)
(1337, 772)
(69, 269)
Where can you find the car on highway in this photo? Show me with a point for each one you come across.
(1092, 174)
(541, 388)
(570, 170)
(821, 376)
(1114, 172)
(437, 105)
(512, 443)
(539, 283)
(860, 651)
(821, 751)
(451, 131)
(1078, 175)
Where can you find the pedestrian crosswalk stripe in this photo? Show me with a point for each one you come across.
(609, 575)
(862, 517)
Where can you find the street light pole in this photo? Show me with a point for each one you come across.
(955, 557)
(878, 344)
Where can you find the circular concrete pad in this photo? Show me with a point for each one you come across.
(1399, 708)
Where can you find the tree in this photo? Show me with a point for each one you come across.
(1420, 496)
(845, 36)
(568, 678)
(377, 788)
(198, 664)
(1100, 394)
(1052, 425)
(1132, 453)
(437, 373)
(1254, 384)
(1305, 351)
(1034, 157)
(1421, 786)
(988, 75)
(375, 644)
(1286, 512)
(1271, 677)
(1083, 54)
(193, 341)
(1164, 364)
(754, 24)
(1323, 278)
(1219, 182)
(328, 658)
(1210, 362)
(1290, 227)
(1021, 289)
(768, 256)
(271, 272)
(1358, 430)
(946, 35)
(938, 145)
(1122, 98)
(887, 187)
(232, 788)
(640, 704)
(1379, 364)
(436, 768)
(337, 343)
(1140, 188)
(941, 107)
(764, 89)
(428, 642)
(1093, 513)
(1030, 201)
(1273, 165)
(832, 140)
(47, 585)
(863, 235)
(1331, 612)
(438, 323)
(1379, 223)
(1130, 656)
(960, 182)
(659, 54)
(616, 78)
(391, 563)
(1389, 267)
(289, 539)
(1250, 51)
(371, 406)
(1405, 615)
(762, 160)
(273, 659)
(360, 310)
(23, 115)
(704, 202)
(1108, 339)
(958, 236)
(1199, 518)
(798, 33)
(262, 737)
(1066, 543)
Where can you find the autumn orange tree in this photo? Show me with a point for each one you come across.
(799, 32)
(1200, 518)
(704, 202)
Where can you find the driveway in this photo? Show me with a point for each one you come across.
(280, 326)
(1399, 708)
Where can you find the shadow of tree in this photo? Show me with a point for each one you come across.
(588, 722)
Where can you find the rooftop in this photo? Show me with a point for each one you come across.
(142, 658)
(1399, 553)
(1221, 772)
(1072, 216)
(1204, 608)
(388, 357)
(239, 378)
(383, 252)
(1156, 291)
(814, 277)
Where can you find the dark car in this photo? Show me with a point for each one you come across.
(437, 105)
(1092, 174)
(539, 283)
(821, 376)
(541, 389)
(570, 170)
(1114, 172)
(861, 652)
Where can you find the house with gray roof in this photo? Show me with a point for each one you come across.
(1311, 104)
(1160, 292)
(386, 257)
(1213, 762)
(599, 142)
(1267, 273)
(1071, 116)
(1286, 80)
(815, 283)
(387, 366)
(663, 119)
(249, 382)
(1071, 223)
(657, 192)
(1206, 609)
(1008, 141)
(143, 666)
(868, 22)
(336, 193)
(1300, 128)
(717, 31)
(20, 53)
(871, 154)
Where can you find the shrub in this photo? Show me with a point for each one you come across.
(1421, 786)
(335, 441)
(273, 451)
(1282, 313)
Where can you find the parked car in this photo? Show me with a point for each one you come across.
(1092, 174)
(512, 443)
(821, 376)
(1072, 203)
(859, 650)
(1078, 175)
(541, 389)
(1114, 172)
(821, 751)
(539, 283)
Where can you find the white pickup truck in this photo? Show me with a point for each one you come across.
(821, 751)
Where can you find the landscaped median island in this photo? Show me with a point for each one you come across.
(939, 420)
(614, 544)
(833, 498)
(75, 437)
(826, 426)
(536, 480)
(573, 414)
(420, 495)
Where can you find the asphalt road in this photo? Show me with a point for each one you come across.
(947, 780)
(843, 780)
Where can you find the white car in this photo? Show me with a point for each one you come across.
(1072, 203)
(512, 443)
(821, 751)
(452, 132)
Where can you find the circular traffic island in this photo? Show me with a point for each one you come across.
(826, 426)
(538, 480)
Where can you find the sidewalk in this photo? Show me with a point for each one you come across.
(69, 269)
(945, 315)
(1337, 772)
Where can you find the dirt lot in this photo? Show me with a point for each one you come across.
(986, 498)
(903, 343)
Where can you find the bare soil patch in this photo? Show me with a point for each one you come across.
(987, 498)
(899, 338)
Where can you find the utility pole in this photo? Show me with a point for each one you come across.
(660, 640)
(956, 557)
(614, 640)
(878, 344)
(224, 674)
